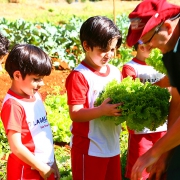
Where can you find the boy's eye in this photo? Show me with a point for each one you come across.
(108, 50)
(37, 79)
(104, 50)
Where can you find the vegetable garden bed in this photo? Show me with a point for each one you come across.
(56, 78)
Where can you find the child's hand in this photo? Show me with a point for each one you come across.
(110, 109)
(46, 171)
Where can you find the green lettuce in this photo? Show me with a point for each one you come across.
(144, 105)
(155, 60)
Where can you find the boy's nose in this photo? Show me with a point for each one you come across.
(109, 54)
(41, 83)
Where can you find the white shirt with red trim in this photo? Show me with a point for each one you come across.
(96, 137)
(28, 117)
(139, 69)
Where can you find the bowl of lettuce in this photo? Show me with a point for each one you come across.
(144, 105)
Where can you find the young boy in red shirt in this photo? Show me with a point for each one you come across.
(24, 116)
(95, 151)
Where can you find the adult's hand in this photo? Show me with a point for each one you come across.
(143, 162)
(157, 170)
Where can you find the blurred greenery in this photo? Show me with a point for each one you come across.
(60, 11)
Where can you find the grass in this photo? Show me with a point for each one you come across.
(60, 11)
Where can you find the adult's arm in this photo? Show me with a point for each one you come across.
(174, 109)
(167, 142)
(164, 82)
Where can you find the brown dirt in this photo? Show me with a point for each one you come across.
(56, 78)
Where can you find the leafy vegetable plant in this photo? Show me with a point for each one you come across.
(58, 116)
(155, 60)
(144, 105)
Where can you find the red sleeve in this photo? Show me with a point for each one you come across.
(77, 88)
(128, 71)
(12, 115)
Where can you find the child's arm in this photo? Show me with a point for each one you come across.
(16, 146)
(80, 114)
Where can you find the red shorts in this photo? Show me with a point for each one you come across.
(17, 171)
(138, 144)
(85, 167)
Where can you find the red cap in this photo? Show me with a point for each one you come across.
(147, 15)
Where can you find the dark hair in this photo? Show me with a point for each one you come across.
(98, 31)
(28, 59)
(136, 46)
(4, 45)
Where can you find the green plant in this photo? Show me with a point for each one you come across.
(4, 152)
(62, 155)
(122, 21)
(124, 55)
(144, 105)
(4, 147)
(59, 41)
(58, 117)
(123, 147)
(155, 60)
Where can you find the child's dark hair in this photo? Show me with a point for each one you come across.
(28, 59)
(4, 45)
(136, 46)
(98, 31)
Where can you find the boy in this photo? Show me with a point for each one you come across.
(24, 116)
(140, 142)
(95, 151)
(4, 45)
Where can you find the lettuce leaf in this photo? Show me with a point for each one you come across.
(144, 105)
(155, 60)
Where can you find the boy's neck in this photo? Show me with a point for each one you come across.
(17, 91)
(101, 69)
(140, 57)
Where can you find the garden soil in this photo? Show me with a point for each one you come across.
(56, 78)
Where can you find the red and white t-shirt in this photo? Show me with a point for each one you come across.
(139, 69)
(28, 117)
(96, 137)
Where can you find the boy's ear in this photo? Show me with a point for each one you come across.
(86, 46)
(17, 75)
(141, 47)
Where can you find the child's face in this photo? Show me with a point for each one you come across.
(98, 57)
(144, 50)
(30, 85)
